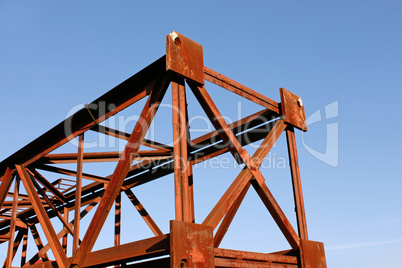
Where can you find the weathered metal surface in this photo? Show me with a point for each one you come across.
(269, 258)
(191, 245)
(114, 186)
(183, 205)
(239, 89)
(293, 109)
(296, 183)
(312, 254)
(188, 244)
(184, 57)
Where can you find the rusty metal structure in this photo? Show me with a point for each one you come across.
(29, 200)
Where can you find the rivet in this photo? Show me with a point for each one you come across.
(300, 102)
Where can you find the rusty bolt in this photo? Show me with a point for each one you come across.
(175, 38)
(300, 102)
(184, 263)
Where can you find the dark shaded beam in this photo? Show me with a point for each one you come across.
(253, 135)
(246, 123)
(93, 190)
(144, 214)
(48, 185)
(38, 241)
(162, 262)
(125, 94)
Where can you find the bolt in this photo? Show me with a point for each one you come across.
(175, 38)
(300, 102)
(173, 35)
(184, 263)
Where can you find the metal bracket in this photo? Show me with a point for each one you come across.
(293, 110)
(184, 57)
(312, 254)
(191, 245)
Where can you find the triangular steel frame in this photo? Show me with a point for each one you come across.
(188, 244)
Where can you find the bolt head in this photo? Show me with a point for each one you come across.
(300, 102)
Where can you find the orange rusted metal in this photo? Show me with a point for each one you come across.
(184, 57)
(47, 202)
(293, 110)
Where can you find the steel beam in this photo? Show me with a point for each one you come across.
(183, 201)
(128, 92)
(143, 212)
(123, 166)
(5, 184)
(50, 234)
(296, 183)
(237, 88)
(10, 254)
(187, 244)
(78, 186)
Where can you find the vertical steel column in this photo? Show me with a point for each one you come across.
(13, 222)
(64, 242)
(183, 196)
(117, 220)
(296, 182)
(191, 245)
(77, 211)
(5, 184)
(38, 240)
(24, 247)
(190, 167)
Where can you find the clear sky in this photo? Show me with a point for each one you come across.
(343, 58)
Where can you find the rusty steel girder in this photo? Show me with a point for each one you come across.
(28, 199)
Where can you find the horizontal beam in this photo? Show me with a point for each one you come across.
(125, 94)
(254, 256)
(71, 173)
(126, 136)
(100, 157)
(206, 152)
(139, 250)
(237, 88)
(225, 263)
(263, 116)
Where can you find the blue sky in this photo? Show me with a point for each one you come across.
(343, 55)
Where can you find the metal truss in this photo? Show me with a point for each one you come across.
(28, 199)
